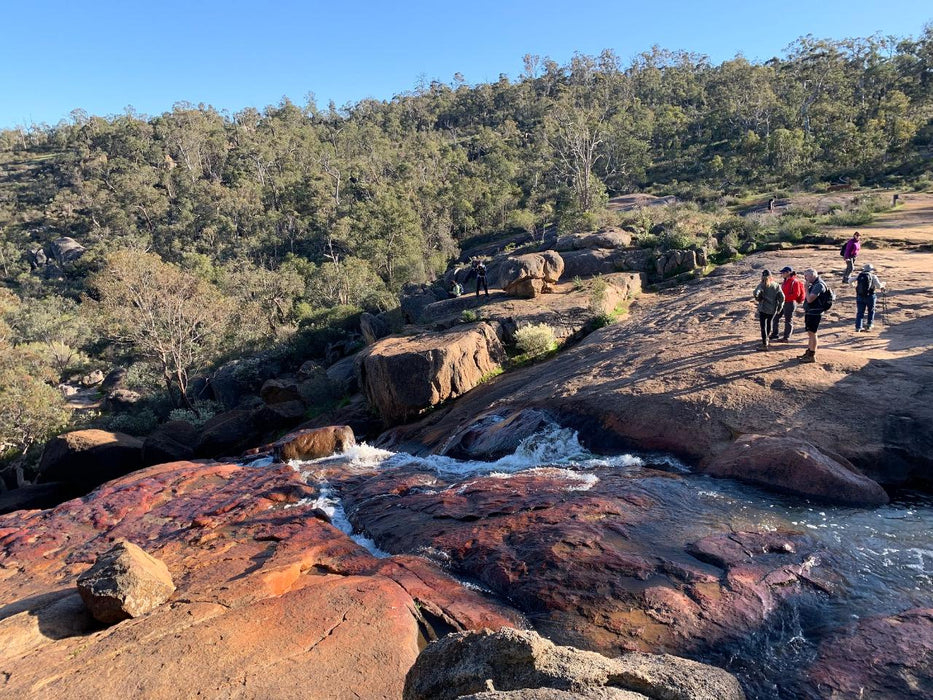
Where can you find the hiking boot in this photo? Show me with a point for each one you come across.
(783, 340)
(804, 359)
(859, 330)
(806, 354)
(763, 346)
(868, 327)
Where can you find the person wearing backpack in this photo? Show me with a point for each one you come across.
(770, 300)
(866, 284)
(850, 251)
(819, 298)
(794, 294)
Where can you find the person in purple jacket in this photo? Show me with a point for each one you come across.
(850, 253)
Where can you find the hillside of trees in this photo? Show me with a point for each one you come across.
(208, 235)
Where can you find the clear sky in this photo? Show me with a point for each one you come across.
(104, 55)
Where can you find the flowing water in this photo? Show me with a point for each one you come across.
(884, 555)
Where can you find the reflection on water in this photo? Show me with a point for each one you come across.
(884, 555)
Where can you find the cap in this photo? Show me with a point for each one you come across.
(787, 269)
(766, 273)
(868, 267)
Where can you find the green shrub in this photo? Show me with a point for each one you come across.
(138, 423)
(796, 229)
(469, 316)
(536, 339)
(598, 289)
(206, 411)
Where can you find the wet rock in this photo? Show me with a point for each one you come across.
(527, 276)
(170, 442)
(84, 459)
(511, 660)
(495, 436)
(795, 466)
(124, 582)
(880, 657)
(315, 443)
(269, 597)
(401, 376)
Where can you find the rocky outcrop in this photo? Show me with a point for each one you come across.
(124, 582)
(512, 660)
(607, 239)
(122, 400)
(279, 390)
(373, 328)
(269, 596)
(527, 276)
(401, 376)
(315, 443)
(673, 262)
(415, 298)
(880, 657)
(240, 379)
(494, 436)
(795, 466)
(228, 433)
(84, 459)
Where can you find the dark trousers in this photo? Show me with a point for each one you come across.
(481, 281)
(767, 321)
(789, 308)
(863, 304)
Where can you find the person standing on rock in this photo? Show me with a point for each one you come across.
(850, 252)
(812, 312)
(866, 284)
(770, 300)
(481, 278)
(794, 294)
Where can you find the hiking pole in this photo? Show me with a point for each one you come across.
(884, 305)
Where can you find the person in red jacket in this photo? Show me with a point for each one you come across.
(794, 293)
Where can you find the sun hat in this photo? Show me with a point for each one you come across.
(868, 267)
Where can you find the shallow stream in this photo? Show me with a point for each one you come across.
(884, 555)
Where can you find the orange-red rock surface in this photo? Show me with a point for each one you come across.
(271, 599)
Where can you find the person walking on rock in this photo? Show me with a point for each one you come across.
(812, 312)
(770, 300)
(794, 294)
(850, 252)
(481, 278)
(866, 284)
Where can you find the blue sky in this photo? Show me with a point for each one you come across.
(102, 56)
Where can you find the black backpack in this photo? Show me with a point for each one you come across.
(842, 251)
(826, 298)
(863, 285)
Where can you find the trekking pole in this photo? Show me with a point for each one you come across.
(884, 306)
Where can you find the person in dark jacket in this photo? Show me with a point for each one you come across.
(866, 285)
(812, 312)
(481, 278)
(770, 300)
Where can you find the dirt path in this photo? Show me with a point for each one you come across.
(910, 223)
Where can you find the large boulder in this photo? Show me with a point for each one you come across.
(373, 328)
(228, 434)
(527, 276)
(414, 298)
(122, 400)
(315, 443)
(509, 660)
(342, 376)
(124, 582)
(401, 376)
(280, 390)
(607, 239)
(170, 442)
(794, 466)
(84, 459)
(66, 250)
(494, 436)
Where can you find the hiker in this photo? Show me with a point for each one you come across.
(771, 205)
(812, 312)
(894, 200)
(481, 278)
(850, 253)
(456, 289)
(770, 300)
(866, 284)
(794, 294)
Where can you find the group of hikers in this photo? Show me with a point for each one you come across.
(477, 270)
(777, 301)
